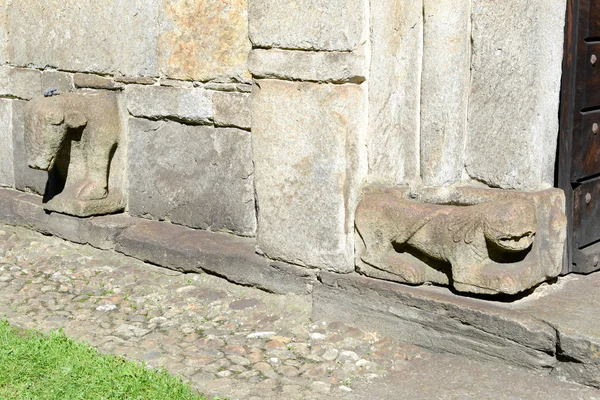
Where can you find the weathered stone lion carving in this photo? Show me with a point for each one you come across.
(491, 247)
(76, 134)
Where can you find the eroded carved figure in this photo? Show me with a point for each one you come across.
(491, 242)
(74, 136)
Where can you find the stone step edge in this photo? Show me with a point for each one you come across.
(431, 317)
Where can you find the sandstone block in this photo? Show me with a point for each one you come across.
(62, 81)
(216, 162)
(135, 80)
(515, 87)
(156, 102)
(395, 91)
(232, 109)
(21, 83)
(317, 66)
(308, 142)
(7, 172)
(308, 24)
(445, 88)
(113, 37)
(204, 40)
(26, 179)
(91, 81)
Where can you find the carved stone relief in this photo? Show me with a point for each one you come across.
(477, 240)
(74, 137)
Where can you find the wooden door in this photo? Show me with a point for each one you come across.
(578, 163)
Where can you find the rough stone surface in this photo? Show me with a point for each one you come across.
(80, 164)
(113, 37)
(204, 40)
(513, 103)
(477, 240)
(316, 66)
(436, 319)
(444, 90)
(394, 91)
(62, 81)
(3, 32)
(92, 81)
(154, 102)
(308, 24)
(232, 109)
(309, 155)
(21, 83)
(164, 154)
(26, 179)
(7, 172)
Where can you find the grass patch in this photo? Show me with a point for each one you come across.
(39, 366)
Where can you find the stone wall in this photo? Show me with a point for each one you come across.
(268, 117)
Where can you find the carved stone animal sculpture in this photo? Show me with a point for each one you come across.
(49, 121)
(461, 236)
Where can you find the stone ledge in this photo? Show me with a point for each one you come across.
(171, 246)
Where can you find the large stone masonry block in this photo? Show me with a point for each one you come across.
(308, 24)
(310, 158)
(394, 91)
(198, 176)
(3, 32)
(113, 36)
(483, 241)
(445, 88)
(26, 179)
(204, 40)
(515, 88)
(191, 105)
(21, 83)
(7, 172)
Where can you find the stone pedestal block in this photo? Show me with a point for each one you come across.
(204, 40)
(309, 152)
(112, 37)
(481, 241)
(198, 176)
(445, 89)
(515, 86)
(308, 24)
(394, 91)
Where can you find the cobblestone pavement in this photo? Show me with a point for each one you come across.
(225, 339)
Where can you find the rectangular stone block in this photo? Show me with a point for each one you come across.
(3, 32)
(198, 176)
(7, 172)
(204, 40)
(112, 37)
(316, 66)
(515, 88)
(310, 158)
(26, 179)
(63, 81)
(232, 109)
(395, 91)
(192, 105)
(21, 83)
(445, 89)
(308, 24)
(91, 81)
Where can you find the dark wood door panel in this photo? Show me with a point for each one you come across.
(586, 147)
(592, 74)
(586, 213)
(594, 21)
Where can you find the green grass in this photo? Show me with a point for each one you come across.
(36, 366)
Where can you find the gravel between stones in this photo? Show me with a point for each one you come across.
(225, 339)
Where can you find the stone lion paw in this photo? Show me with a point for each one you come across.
(92, 191)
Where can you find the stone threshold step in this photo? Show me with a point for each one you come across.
(554, 330)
